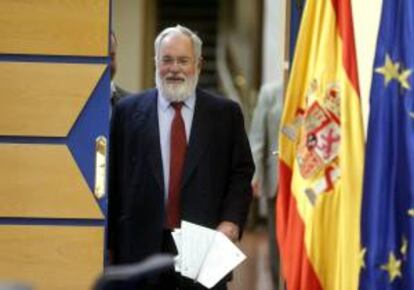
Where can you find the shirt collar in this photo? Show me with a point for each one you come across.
(164, 104)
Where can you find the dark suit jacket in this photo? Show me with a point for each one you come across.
(217, 172)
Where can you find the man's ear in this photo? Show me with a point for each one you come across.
(200, 64)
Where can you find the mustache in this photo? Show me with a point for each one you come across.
(175, 77)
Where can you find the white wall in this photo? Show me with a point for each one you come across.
(366, 16)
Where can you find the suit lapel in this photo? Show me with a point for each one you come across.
(199, 137)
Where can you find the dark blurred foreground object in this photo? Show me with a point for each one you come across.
(131, 276)
(14, 286)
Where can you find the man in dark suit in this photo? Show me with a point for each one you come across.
(177, 153)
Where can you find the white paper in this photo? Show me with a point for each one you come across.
(204, 255)
(195, 242)
(176, 234)
(222, 257)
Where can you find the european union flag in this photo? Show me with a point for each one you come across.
(387, 255)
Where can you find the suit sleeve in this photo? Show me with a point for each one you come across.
(239, 194)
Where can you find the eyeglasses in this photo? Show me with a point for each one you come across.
(182, 62)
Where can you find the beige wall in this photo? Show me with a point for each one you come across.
(243, 35)
(126, 22)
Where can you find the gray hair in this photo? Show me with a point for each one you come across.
(196, 41)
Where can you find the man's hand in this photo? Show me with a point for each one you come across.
(231, 230)
(256, 188)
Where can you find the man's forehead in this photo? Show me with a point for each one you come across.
(176, 40)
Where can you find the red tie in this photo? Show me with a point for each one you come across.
(177, 156)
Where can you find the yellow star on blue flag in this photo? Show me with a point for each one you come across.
(389, 70)
(393, 267)
(403, 78)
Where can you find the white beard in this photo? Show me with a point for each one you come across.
(176, 92)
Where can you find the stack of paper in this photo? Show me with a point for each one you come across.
(204, 255)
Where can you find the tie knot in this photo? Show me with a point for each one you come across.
(177, 105)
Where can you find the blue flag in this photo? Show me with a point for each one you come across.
(387, 254)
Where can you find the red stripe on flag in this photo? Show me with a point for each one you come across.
(297, 270)
(346, 31)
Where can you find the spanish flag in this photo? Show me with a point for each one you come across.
(321, 155)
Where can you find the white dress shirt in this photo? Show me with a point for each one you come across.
(165, 116)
